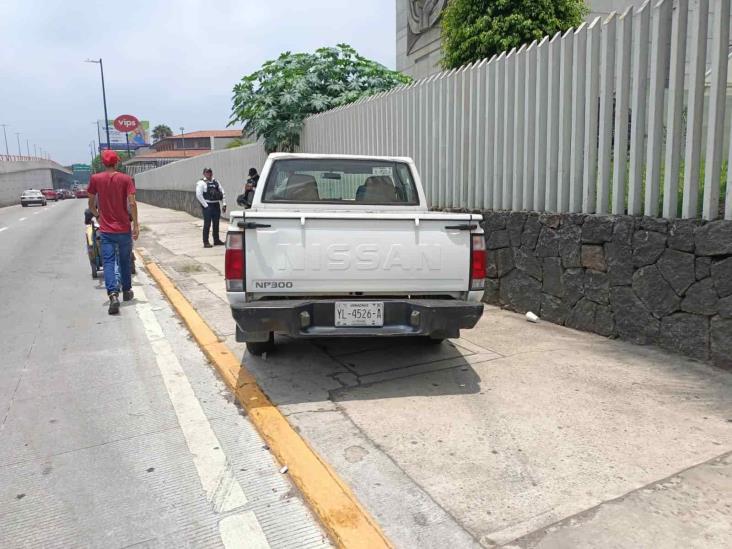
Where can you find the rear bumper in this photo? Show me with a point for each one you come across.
(33, 201)
(438, 318)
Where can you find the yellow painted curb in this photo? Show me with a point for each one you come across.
(347, 522)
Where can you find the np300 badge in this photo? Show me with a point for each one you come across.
(272, 284)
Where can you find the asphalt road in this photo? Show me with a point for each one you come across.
(114, 431)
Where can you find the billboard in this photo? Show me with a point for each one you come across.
(138, 138)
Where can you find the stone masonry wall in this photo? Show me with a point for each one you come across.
(642, 279)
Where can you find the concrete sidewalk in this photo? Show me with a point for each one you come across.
(519, 434)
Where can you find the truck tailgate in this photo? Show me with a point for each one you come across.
(301, 254)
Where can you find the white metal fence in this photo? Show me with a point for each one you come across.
(612, 117)
(601, 119)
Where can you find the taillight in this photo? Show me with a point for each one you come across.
(234, 262)
(477, 262)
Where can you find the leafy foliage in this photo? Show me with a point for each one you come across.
(97, 165)
(478, 29)
(161, 131)
(273, 102)
(239, 142)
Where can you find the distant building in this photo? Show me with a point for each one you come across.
(178, 147)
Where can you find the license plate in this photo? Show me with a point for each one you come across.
(351, 313)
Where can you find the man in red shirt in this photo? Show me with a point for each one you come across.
(114, 195)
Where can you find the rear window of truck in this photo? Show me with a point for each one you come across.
(340, 181)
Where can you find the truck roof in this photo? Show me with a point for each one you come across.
(280, 156)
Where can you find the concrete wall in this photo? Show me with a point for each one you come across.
(18, 176)
(184, 201)
(646, 280)
(172, 186)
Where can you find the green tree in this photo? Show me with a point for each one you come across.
(161, 131)
(478, 29)
(97, 165)
(239, 142)
(273, 102)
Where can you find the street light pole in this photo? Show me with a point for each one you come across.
(27, 147)
(104, 97)
(35, 150)
(17, 136)
(7, 151)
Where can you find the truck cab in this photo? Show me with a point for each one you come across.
(345, 246)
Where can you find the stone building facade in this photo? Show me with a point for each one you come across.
(418, 48)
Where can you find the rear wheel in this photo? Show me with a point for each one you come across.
(258, 348)
(24, 205)
(435, 340)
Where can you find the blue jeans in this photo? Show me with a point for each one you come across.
(117, 247)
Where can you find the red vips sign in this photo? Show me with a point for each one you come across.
(126, 123)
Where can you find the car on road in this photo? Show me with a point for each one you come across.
(345, 246)
(32, 196)
(81, 193)
(50, 194)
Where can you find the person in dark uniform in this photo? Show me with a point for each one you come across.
(210, 194)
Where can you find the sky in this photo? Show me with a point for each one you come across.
(169, 62)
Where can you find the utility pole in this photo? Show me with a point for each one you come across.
(183, 141)
(7, 152)
(27, 147)
(104, 97)
(35, 150)
(17, 135)
(99, 137)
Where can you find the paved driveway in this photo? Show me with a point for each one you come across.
(517, 433)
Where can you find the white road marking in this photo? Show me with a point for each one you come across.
(242, 531)
(22, 219)
(36, 213)
(222, 489)
(3, 229)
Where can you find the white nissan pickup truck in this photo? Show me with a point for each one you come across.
(345, 246)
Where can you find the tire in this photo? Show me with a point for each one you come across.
(94, 272)
(434, 340)
(24, 205)
(258, 348)
(133, 268)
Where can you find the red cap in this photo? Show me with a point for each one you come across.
(109, 158)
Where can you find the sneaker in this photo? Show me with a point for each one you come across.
(128, 295)
(219, 243)
(207, 245)
(113, 304)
